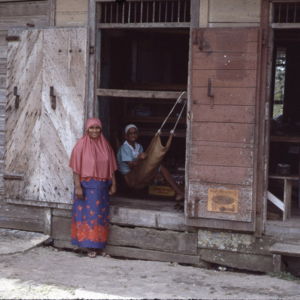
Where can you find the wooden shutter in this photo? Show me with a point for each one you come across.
(39, 138)
(223, 128)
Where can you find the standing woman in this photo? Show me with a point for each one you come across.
(94, 165)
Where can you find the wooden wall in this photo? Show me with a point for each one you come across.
(229, 13)
(71, 12)
(17, 15)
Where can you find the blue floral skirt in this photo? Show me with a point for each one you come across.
(90, 215)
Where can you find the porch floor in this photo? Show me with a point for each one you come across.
(142, 200)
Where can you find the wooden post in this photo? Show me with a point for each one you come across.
(51, 12)
(277, 262)
(47, 220)
(91, 72)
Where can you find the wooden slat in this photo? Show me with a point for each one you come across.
(233, 25)
(221, 61)
(286, 249)
(231, 40)
(234, 11)
(220, 174)
(213, 132)
(225, 96)
(223, 113)
(145, 25)
(21, 21)
(3, 52)
(71, 19)
(28, 8)
(2, 81)
(138, 237)
(71, 6)
(225, 78)
(276, 201)
(139, 94)
(219, 156)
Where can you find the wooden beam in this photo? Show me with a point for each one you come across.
(51, 12)
(91, 97)
(276, 201)
(285, 25)
(139, 94)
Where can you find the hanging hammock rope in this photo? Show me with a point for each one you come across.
(146, 170)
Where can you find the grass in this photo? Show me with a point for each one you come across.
(284, 276)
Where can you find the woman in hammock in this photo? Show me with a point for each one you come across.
(130, 153)
(93, 163)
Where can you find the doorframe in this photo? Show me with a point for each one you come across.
(266, 89)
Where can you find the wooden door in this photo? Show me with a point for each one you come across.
(223, 128)
(40, 134)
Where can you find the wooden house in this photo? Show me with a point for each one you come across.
(236, 149)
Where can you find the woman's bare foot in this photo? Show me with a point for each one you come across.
(179, 196)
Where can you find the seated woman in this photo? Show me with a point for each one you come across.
(130, 153)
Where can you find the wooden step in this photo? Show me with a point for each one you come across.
(286, 249)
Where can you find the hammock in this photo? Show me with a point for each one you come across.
(145, 171)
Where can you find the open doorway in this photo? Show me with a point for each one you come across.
(284, 155)
(135, 61)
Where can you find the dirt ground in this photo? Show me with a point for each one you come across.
(46, 273)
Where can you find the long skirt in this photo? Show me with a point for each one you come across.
(90, 215)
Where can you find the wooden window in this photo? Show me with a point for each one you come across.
(148, 13)
(42, 129)
(286, 12)
(223, 128)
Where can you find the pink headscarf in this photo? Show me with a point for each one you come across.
(93, 157)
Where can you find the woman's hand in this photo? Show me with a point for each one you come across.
(142, 155)
(112, 190)
(79, 192)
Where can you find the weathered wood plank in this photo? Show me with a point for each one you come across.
(221, 61)
(3, 34)
(224, 175)
(229, 40)
(28, 8)
(196, 144)
(144, 238)
(235, 242)
(20, 22)
(64, 124)
(2, 81)
(208, 155)
(234, 11)
(71, 19)
(22, 154)
(286, 249)
(241, 261)
(19, 211)
(151, 239)
(225, 78)
(204, 11)
(197, 203)
(139, 94)
(135, 253)
(71, 5)
(3, 52)
(232, 25)
(228, 132)
(22, 224)
(223, 113)
(224, 96)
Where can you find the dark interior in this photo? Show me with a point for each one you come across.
(284, 155)
(145, 59)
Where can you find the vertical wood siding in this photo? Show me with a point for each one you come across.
(223, 126)
(14, 15)
(39, 139)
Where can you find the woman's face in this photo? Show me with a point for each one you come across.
(94, 131)
(132, 135)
